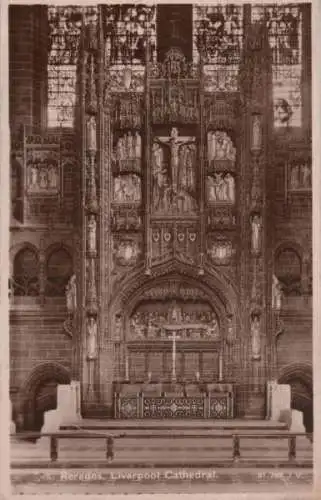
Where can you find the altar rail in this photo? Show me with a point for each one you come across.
(109, 458)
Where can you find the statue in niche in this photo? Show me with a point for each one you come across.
(174, 181)
(256, 337)
(295, 177)
(220, 147)
(120, 149)
(230, 337)
(92, 234)
(306, 176)
(52, 176)
(127, 188)
(91, 134)
(256, 132)
(71, 295)
(277, 294)
(221, 188)
(212, 330)
(118, 327)
(33, 177)
(138, 145)
(92, 338)
(43, 178)
(256, 225)
(137, 326)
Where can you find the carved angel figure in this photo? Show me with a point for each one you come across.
(71, 295)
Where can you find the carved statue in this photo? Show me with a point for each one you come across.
(230, 187)
(92, 236)
(52, 177)
(127, 188)
(256, 233)
(71, 295)
(256, 337)
(295, 177)
(220, 146)
(212, 330)
(138, 145)
(256, 133)
(33, 176)
(91, 134)
(43, 178)
(120, 149)
(118, 327)
(277, 293)
(306, 176)
(92, 338)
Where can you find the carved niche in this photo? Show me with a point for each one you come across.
(221, 152)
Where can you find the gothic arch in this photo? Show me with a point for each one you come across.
(300, 377)
(54, 247)
(42, 375)
(16, 249)
(290, 245)
(221, 293)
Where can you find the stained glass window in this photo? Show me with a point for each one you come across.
(285, 36)
(218, 37)
(64, 38)
(126, 28)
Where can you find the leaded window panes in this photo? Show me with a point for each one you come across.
(284, 25)
(58, 272)
(64, 38)
(218, 39)
(25, 280)
(126, 29)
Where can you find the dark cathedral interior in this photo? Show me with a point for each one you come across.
(161, 209)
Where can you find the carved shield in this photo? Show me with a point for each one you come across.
(167, 236)
(155, 236)
(192, 236)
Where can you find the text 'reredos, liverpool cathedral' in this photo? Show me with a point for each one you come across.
(161, 261)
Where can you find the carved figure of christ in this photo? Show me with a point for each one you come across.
(174, 142)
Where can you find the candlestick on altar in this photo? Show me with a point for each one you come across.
(220, 368)
(126, 367)
(174, 337)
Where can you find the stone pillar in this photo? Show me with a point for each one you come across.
(257, 111)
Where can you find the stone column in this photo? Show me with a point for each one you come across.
(258, 120)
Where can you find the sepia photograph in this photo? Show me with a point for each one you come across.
(160, 283)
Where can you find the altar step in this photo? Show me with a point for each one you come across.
(165, 444)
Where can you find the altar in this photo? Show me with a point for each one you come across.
(161, 400)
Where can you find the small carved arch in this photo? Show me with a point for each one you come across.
(41, 385)
(25, 270)
(288, 267)
(59, 269)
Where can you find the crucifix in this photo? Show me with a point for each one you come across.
(174, 142)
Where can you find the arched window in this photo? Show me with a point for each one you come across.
(58, 271)
(288, 271)
(25, 280)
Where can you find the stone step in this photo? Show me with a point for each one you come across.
(162, 450)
